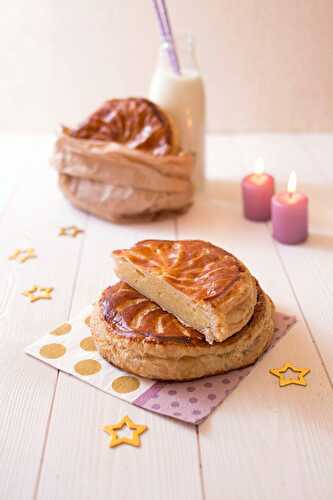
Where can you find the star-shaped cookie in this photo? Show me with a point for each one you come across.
(116, 440)
(23, 255)
(283, 381)
(71, 231)
(38, 293)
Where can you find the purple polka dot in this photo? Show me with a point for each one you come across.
(196, 412)
(211, 396)
(177, 414)
(193, 400)
(208, 384)
(190, 389)
(155, 396)
(225, 381)
(172, 393)
(175, 404)
(156, 407)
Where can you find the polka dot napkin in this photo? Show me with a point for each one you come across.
(71, 348)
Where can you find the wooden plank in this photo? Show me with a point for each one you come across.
(27, 387)
(268, 441)
(263, 437)
(19, 156)
(308, 266)
(78, 463)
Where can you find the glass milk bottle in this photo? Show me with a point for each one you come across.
(182, 97)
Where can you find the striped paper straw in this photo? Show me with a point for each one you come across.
(166, 33)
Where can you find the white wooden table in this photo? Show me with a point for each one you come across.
(264, 442)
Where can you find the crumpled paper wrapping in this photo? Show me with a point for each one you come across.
(121, 184)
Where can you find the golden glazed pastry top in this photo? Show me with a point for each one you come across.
(196, 268)
(133, 315)
(134, 122)
(136, 335)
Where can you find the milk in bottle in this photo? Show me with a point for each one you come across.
(182, 97)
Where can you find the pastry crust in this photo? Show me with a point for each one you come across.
(134, 122)
(122, 164)
(204, 286)
(136, 335)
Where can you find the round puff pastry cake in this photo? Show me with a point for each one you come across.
(136, 335)
(204, 286)
(123, 163)
(135, 122)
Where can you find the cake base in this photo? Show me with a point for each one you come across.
(136, 335)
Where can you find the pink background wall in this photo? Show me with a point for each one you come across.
(268, 64)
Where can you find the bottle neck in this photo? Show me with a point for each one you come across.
(186, 55)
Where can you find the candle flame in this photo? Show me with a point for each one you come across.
(292, 182)
(259, 166)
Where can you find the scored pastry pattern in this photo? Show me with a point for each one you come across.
(196, 268)
(134, 122)
(130, 311)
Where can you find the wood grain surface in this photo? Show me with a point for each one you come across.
(263, 441)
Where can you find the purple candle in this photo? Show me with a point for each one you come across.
(257, 190)
(290, 215)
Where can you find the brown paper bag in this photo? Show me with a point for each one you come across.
(121, 184)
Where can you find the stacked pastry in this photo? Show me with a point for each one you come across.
(182, 310)
(123, 163)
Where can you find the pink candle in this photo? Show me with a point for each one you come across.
(257, 190)
(290, 215)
